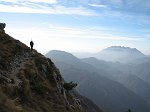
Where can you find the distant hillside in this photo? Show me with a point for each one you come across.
(118, 53)
(30, 82)
(142, 70)
(123, 74)
(108, 94)
(68, 59)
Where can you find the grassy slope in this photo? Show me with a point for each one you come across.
(27, 81)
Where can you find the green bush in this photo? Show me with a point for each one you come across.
(69, 86)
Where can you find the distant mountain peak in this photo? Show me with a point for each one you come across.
(119, 53)
(61, 55)
(120, 48)
(59, 52)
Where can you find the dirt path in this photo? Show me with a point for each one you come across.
(17, 64)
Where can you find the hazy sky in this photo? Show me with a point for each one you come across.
(78, 25)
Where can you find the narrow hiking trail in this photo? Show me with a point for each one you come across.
(15, 66)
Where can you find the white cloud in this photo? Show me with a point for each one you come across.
(35, 1)
(98, 5)
(44, 9)
(76, 33)
(45, 1)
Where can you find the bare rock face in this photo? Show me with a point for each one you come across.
(2, 26)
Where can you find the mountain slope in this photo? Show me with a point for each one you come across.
(106, 93)
(142, 70)
(68, 59)
(30, 82)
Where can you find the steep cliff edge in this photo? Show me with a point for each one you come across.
(30, 82)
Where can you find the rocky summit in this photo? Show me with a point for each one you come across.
(30, 82)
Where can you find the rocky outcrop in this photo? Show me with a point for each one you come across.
(2, 26)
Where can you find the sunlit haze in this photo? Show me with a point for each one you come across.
(78, 25)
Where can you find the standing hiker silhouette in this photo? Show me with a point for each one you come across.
(31, 45)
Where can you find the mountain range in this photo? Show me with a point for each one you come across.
(111, 85)
(117, 53)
